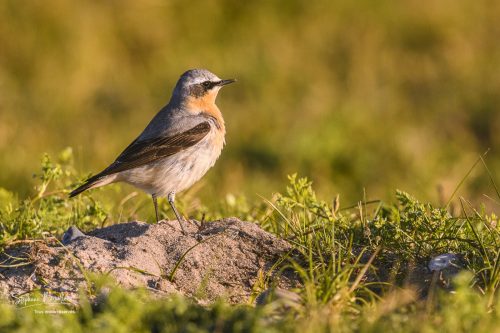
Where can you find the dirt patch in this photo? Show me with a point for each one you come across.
(221, 259)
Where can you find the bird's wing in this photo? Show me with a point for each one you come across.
(141, 152)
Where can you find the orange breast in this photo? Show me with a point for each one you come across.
(206, 104)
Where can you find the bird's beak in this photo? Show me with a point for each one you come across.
(224, 82)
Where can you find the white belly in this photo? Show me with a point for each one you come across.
(177, 172)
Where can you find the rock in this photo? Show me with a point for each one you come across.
(282, 297)
(444, 261)
(221, 260)
(71, 234)
(444, 268)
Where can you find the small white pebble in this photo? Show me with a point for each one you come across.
(443, 261)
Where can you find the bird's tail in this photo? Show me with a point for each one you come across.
(92, 182)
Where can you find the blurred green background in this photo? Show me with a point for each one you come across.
(357, 95)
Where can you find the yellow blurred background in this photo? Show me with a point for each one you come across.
(357, 95)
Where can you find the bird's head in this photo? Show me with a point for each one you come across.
(199, 84)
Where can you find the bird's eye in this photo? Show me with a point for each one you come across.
(206, 84)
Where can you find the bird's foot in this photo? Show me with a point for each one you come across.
(181, 220)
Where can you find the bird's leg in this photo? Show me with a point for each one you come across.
(171, 199)
(155, 203)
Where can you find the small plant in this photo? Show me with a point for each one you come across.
(48, 212)
(325, 258)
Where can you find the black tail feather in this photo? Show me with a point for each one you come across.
(88, 184)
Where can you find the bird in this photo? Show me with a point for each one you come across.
(178, 146)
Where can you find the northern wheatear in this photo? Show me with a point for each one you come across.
(177, 147)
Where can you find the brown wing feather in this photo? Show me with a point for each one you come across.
(142, 152)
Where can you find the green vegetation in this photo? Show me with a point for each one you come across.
(126, 311)
(354, 263)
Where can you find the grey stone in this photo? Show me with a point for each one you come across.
(71, 234)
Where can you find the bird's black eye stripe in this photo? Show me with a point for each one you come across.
(208, 84)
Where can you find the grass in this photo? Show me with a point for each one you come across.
(363, 267)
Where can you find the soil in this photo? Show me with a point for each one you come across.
(222, 259)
